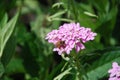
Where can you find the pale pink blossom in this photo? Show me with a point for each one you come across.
(114, 72)
(69, 36)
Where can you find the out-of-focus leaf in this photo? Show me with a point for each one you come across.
(15, 66)
(100, 67)
(87, 7)
(8, 50)
(87, 21)
(1, 69)
(101, 5)
(56, 15)
(107, 24)
(57, 4)
(60, 76)
(22, 34)
(61, 19)
(112, 14)
(6, 78)
(30, 56)
(56, 70)
(33, 79)
(6, 32)
(3, 21)
(90, 14)
(29, 5)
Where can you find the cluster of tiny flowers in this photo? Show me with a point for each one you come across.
(114, 72)
(69, 36)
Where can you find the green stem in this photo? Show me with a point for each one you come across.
(75, 61)
(78, 65)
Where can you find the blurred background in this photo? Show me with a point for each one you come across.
(33, 57)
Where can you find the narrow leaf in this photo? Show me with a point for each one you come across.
(60, 76)
(3, 21)
(8, 50)
(100, 67)
(7, 31)
(1, 69)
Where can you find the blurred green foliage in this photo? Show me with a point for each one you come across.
(26, 55)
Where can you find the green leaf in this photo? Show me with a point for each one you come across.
(57, 14)
(57, 4)
(62, 19)
(3, 21)
(60, 76)
(88, 21)
(15, 66)
(1, 69)
(8, 50)
(33, 79)
(101, 5)
(56, 70)
(87, 8)
(90, 14)
(6, 32)
(100, 67)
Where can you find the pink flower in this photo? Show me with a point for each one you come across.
(114, 72)
(69, 36)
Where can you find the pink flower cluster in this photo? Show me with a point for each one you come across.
(69, 36)
(114, 72)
